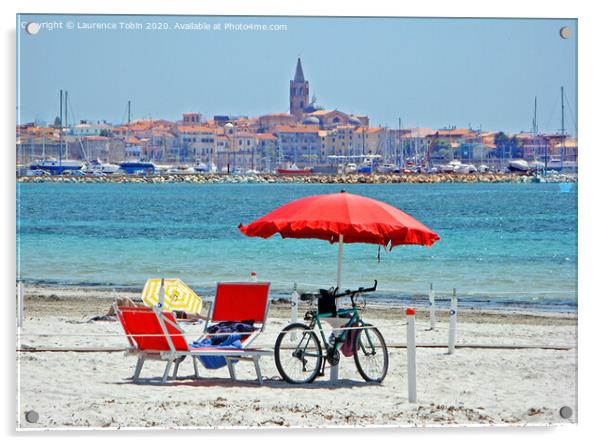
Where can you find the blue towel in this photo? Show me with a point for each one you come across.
(232, 341)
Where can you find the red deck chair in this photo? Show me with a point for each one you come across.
(153, 335)
(156, 335)
(241, 302)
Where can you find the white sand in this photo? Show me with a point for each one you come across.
(472, 386)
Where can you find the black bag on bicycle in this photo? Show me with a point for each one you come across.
(326, 303)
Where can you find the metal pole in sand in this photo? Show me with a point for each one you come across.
(432, 307)
(453, 312)
(21, 299)
(411, 354)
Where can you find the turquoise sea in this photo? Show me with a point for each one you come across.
(509, 245)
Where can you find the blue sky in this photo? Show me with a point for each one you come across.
(429, 72)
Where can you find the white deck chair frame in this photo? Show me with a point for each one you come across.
(174, 357)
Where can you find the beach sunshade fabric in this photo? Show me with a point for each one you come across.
(357, 218)
(178, 296)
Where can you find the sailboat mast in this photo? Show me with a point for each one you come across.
(66, 126)
(61, 127)
(400, 152)
(535, 118)
(60, 108)
(562, 128)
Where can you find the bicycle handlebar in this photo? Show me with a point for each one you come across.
(359, 290)
(308, 296)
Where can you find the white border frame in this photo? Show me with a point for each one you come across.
(589, 210)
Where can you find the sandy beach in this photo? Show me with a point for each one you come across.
(475, 385)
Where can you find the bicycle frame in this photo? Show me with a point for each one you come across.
(339, 339)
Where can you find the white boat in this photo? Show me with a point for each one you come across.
(387, 168)
(97, 166)
(201, 167)
(483, 168)
(180, 170)
(450, 167)
(465, 169)
(556, 163)
(351, 168)
(518, 165)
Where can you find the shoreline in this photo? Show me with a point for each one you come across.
(90, 301)
(397, 178)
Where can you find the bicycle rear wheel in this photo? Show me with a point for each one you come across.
(370, 354)
(298, 354)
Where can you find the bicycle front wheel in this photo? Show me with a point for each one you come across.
(370, 354)
(298, 354)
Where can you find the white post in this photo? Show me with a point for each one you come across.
(294, 309)
(432, 307)
(453, 312)
(411, 354)
(340, 263)
(21, 299)
(161, 294)
(334, 370)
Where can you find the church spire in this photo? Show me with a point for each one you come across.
(299, 92)
(299, 72)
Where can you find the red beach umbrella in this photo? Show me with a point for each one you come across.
(342, 217)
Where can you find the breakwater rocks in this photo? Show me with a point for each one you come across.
(307, 179)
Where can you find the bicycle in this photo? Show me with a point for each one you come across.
(300, 356)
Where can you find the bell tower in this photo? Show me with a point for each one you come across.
(299, 92)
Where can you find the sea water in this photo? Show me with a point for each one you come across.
(501, 244)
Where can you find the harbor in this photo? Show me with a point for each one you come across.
(417, 178)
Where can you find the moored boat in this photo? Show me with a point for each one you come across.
(518, 165)
(292, 169)
(55, 167)
(137, 167)
(97, 166)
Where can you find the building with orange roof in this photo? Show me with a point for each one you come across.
(268, 122)
(300, 144)
(191, 118)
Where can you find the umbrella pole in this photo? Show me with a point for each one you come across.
(334, 370)
(340, 264)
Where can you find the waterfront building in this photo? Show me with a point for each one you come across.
(300, 144)
(268, 122)
(161, 146)
(329, 119)
(96, 147)
(267, 148)
(86, 128)
(192, 118)
(132, 148)
(197, 142)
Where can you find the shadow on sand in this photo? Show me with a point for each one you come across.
(207, 382)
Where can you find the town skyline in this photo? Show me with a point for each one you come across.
(259, 87)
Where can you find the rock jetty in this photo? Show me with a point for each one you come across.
(306, 179)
